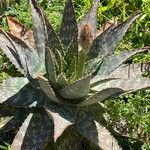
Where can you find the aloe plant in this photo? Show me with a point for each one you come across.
(67, 76)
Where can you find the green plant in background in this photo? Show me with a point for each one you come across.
(66, 79)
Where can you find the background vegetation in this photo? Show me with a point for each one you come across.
(134, 109)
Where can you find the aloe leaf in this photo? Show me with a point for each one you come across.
(102, 95)
(106, 43)
(91, 18)
(14, 122)
(11, 86)
(4, 45)
(60, 124)
(93, 131)
(64, 110)
(8, 110)
(47, 89)
(69, 31)
(21, 52)
(50, 66)
(77, 89)
(130, 70)
(127, 85)
(114, 61)
(43, 32)
(35, 132)
(63, 116)
(69, 140)
(18, 92)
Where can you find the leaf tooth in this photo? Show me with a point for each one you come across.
(47, 89)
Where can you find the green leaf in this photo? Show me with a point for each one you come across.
(93, 131)
(69, 31)
(69, 140)
(35, 132)
(15, 47)
(43, 32)
(14, 122)
(8, 110)
(5, 45)
(130, 71)
(102, 95)
(11, 86)
(66, 111)
(106, 43)
(60, 123)
(77, 89)
(127, 85)
(50, 66)
(47, 89)
(18, 92)
(63, 115)
(91, 18)
(114, 61)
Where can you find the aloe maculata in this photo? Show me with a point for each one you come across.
(66, 79)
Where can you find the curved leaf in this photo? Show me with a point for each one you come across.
(43, 32)
(14, 122)
(11, 86)
(77, 89)
(60, 123)
(113, 62)
(102, 95)
(127, 85)
(18, 52)
(93, 131)
(106, 43)
(18, 92)
(62, 115)
(47, 89)
(69, 140)
(35, 132)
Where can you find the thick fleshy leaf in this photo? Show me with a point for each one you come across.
(93, 131)
(77, 89)
(50, 66)
(14, 122)
(35, 132)
(4, 43)
(127, 85)
(106, 43)
(69, 28)
(19, 94)
(102, 95)
(69, 140)
(130, 71)
(8, 110)
(113, 62)
(60, 123)
(47, 89)
(66, 111)
(63, 116)
(17, 50)
(91, 18)
(19, 30)
(43, 32)
(11, 86)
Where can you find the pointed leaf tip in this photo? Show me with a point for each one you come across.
(106, 43)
